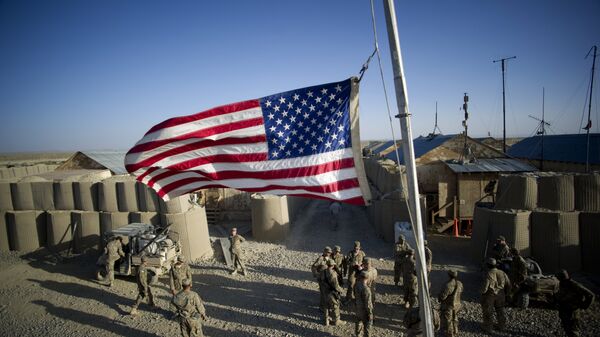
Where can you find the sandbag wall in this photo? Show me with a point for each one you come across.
(190, 227)
(23, 171)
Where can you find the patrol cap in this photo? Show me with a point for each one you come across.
(452, 273)
(181, 258)
(501, 238)
(337, 248)
(357, 244)
(330, 263)
(491, 261)
(186, 282)
(327, 249)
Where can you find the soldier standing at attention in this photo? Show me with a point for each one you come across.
(364, 306)
(571, 299)
(450, 304)
(235, 248)
(113, 252)
(371, 277)
(496, 286)
(354, 260)
(409, 273)
(333, 294)
(322, 282)
(144, 289)
(317, 268)
(400, 250)
(190, 310)
(340, 265)
(179, 271)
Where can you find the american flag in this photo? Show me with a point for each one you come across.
(303, 142)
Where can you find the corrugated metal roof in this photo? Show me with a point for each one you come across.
(373, 144)
(566, 148)
(382, 147)
(422, 145)
(491, 165)
(112, 160)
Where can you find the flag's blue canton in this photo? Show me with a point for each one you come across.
(307, 121)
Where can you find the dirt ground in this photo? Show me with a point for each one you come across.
(43, 295)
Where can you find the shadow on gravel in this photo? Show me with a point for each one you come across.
(212, 331)
(291, 274)
(82, 266)
(96, 321)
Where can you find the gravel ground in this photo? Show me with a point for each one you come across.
(40, 295)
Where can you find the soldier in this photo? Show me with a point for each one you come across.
(501, 249)
(518, 275)
(412, 321)
(321, 260)
(409, 274)
(354, 261)
(144, 289)
(333, 294)
(179, 271)
(364, 306)
(496, 286)
(428, 256)
(321, 281)
(400, 250)
(340, 264)
(571, 298)
(450, 304)
(235, 248)
(113, 252)
(334, 210)
(371, 277)
(190, 310)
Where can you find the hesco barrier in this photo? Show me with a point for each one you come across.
(295, 206)
(148, 199)
(22, 196)
(589, 234)
(26, 230)
(5, 197)
(179, 204)
(110, 221)
(555, 240)
(517, 192)
(86, 229)
(481, 232)
(556, 192)
(4, 245)
(127, 196)
(86, 195)
(152, 218)
(43, 195)
(63, 195)
(191, 228)
(270, 217)
(58, 224)
(514, 226)
(107, 195)
(587, 192)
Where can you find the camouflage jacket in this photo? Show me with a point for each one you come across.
(142, 277)
(408, 268)
(320, 261)
(340, 263)
(400, 251)
(236, 243)
(354, 259)
(364, 301)
(450, 295)
(188, 304)
(501, 252)
(331, 280)
(178, 273)
(572, 295)
(495, 282)
(518, 270)
(114, 250)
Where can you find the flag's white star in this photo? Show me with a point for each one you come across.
(279, 121)
(288, 153)
(325, 104)
(294, 132)
(298, 110)
(320, 139)
(293, 119)
(332, 109)
(313, 121)
(280, 134)
(274, 140)
(342, 141)
(294, 145)
(286, 126)
(320, 125)
(281, 147)
(311, 108)
(287, 139)
(301, 137)
(300, 150)
(319, 113)
(338, 88)
(275, 153)
(332, 121)
(313, 134)
(285, 113)
(306, 115)
(307, 129)
(341, 128)
(331, 97)
(318, 100)
(324, 91)
(268, 103)
(310, 94)
(327, 144)
(334, 136)
(304, 102)
(276, 108)
(339, 101)
(340, 113)
(300, 124)
(290, 105)
(296, 97)
(282, 100)
(314, 147)
(307, 142)
(326, 130)
(270, 115)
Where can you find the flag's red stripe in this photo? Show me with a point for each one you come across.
(198, 134)
(148, 171)
(192, 147)
(327, 188)
(222, 110)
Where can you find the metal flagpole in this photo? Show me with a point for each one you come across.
(411, 171)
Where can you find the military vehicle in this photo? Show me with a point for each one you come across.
(537, 286)
(161, 248)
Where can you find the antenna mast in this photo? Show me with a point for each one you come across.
(504, 101)
(589, 122)
(436, 127)
(541, 128)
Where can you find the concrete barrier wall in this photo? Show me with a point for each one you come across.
(26, 230)
(107, 196)
(589, 235)
(481, 232)
(517, 192)
(295, 206)
(555, 240)
(270, 217)
(148, 199)
(191, 229)
(86, 195)
(180, 204)
(86, 229)
(43, 195)
(5, 197)
(556, 192)
(127, 196)
(110, 221)
(587, 192)
(63, 195)
(58, 225)
(514, 226)
(23, 171)
(22, 196)
(152, 218)
(4, 245)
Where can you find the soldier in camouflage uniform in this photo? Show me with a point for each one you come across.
(412, 321)
(340, 264)
(364, 306)
(179, 271)
(409, 274)
(113, 252)
(368, 267)
(428, 256)
(235, 249)
(144, 289)
(517, 272)
(450, 304)
(571, 299)
(354, 260)
(190, 310)
(317, 269)
(501, 249)
(496, 286)
(400, 250)
(333, 293)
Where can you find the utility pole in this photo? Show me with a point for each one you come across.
(411, 169)
(504, 101)
(436, 127)
(589, 122)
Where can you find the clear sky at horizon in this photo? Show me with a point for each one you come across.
(82, 75)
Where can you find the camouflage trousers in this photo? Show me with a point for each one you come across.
(570, 321)
(110, 269)
(491, 303)
(190, 327)
(411, 291)
(363, 324)
(398, 273)
(351, 284)
(332, 308)
(144, 294)
(238, 263)
(449, 322)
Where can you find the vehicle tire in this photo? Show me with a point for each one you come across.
(523, 300)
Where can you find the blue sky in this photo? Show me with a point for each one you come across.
(98, 74)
